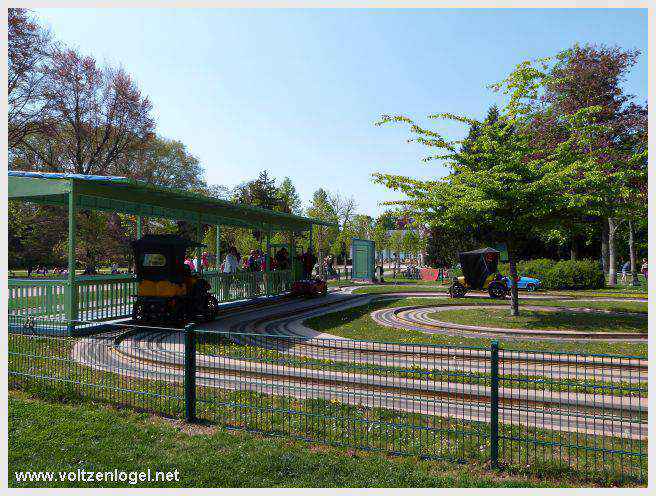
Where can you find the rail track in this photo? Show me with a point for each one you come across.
(309, 364)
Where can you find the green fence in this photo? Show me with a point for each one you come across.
(540, 412)
(110, 297)
(40, 298)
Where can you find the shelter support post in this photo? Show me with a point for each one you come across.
(218, 246)
(71, 309)
(139, 227)
(292, 255)
(267, 262)
(199, 254)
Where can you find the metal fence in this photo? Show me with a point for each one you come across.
(108, 297)
(533, 411)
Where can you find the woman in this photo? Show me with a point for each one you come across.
(643, 268)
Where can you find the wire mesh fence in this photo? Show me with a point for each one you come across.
(536, 411)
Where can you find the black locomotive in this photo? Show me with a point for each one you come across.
(168, 293)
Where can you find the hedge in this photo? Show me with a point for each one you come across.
(566, 274)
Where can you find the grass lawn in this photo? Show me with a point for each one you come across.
(538, 320)
(408, 285)
(356, 323)
(67, 437)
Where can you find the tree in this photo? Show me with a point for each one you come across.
(503, 194)
(261, 192)
(29, 50)
(289, 197)
(96, 117)
(586, 82)
(163, 162)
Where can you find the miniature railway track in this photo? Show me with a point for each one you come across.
(278, 326)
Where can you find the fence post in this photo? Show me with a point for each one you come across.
(190, 373)
(494, 404)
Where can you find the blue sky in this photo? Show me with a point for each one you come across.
(296, 92)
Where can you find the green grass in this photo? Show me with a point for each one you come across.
(402, 288)
(545, 320)
(355, 323)
(66, 437)
(328, 422)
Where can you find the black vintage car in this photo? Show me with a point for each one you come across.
(168, 293)
(479, 269)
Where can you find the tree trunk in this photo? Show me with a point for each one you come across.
(632, 256)
(612, 256)
(574, 249)
(514, 295)
(604, 245)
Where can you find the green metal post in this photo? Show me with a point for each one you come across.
(218, 246)
(71, 302)
(190, 374)
(199, 231)
(292, 255)
(267, 263)
(494, 404)
(139, 227)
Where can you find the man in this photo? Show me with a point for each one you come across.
(625, 271)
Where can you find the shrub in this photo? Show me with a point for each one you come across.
(531, 268)
(537, 268)
(574, 274)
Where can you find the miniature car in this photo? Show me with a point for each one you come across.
(479, 268)
(528, 283)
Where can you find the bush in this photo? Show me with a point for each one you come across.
(532, 268)
(574, 274)
(538, 268)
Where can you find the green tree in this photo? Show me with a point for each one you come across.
(502, 194)
(289, 197)
(586, 83)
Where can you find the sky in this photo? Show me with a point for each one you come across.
(297, 92)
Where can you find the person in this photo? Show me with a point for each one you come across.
(252, 263)
(230, 263)
(643, 268)
(625, 271)
(190, 263)
(307, 262)
(282, 259)
(205, 260)
(114, 268)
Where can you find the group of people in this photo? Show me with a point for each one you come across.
(43, 271)
(255, 262)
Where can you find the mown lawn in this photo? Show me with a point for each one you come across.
(408, 285)
(356, 323)
(67, 437)
(545, 320)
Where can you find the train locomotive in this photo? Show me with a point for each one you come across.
(168, 293)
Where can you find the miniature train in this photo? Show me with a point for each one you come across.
(168, 293)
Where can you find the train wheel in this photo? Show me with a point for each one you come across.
(138, 313)
(211, 308)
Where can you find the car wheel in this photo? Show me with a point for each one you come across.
(530, 287)
(457, 290)
(497, 290)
